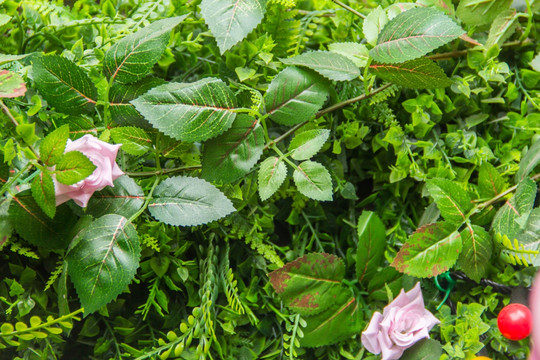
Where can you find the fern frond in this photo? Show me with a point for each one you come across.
(229, 284)
(24, 251)
(384, 95)
(515, 252)
(283, 27)
(284, 3)
(256, 241)
(151, 242)
(55, 274)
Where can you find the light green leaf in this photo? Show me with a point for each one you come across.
(330, 65)
(5, 58)
(535, 63)
(480, 12)
(11, 84)
(231, 155)
(52, 147)
(371, 245)
(125, 198)
(373, 24)
(313, 180)
(189, 111)
(188, 201)
(295, 95)
(453, 201)
(528, 162)
(272, 173)
(413, 34)
(476, 254)
(43, 193)
(131, 58)
(529, 238)
(103, 260)
(490, 182)
(4, 19)
(73, 167)
(307, 143)
(417, 74)
(357, 53)
(502, 28)
(232, 20)
(64, 85)
(134, 140)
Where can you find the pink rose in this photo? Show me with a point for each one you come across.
(403, 322)
(103, 156)
(534, 305)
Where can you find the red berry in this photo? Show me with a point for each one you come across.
(515, 321)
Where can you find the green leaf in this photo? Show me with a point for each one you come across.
(480, 12)
(43, 193)
(371, 245)
(73, 167)
(476, 254)
(64, 85)
(231, 155)
(417, 74)
(53, 145)
(78, 126)
(313, 180)
(387, 277)
(490, 182)
(528, 162)
(272, 173)
(34, 226)
(125, 198)
(134, 140)
(330, 65)
(232, 20)
(131, 58)
(120, 95)
(373, 24)
(413, 34)
(337, 323)
(452, 200)
(429, 251)
(309, 284)
(307, 143)
(189, 112)
(357, 53)
(425, 349)
(535, 63)
(295, 95)
(188, 201)
(103, 260)
(529, 238)
(11, 84)
(502, 28)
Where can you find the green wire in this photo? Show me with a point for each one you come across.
(451, 283)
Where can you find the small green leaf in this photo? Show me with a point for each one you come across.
(73, 167)
(11, 84)
(53, 146)
(528, 162)
(371, 245)
(357, 53)
(43, 193)
(124, 198)
(479, 12)
(272, 173)
(413, 34)
(476, 254)
(307, 143)
(425, 349)
(134, 140)
(429, 251)
(103, 260)
(417, 74)
(373, 24)
(313, 180)
(490, 182)
(331, 65)
(188, 201)
(535, 63)
(453, 201)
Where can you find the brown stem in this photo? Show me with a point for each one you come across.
(347, 7)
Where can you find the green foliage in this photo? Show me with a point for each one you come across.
(333, 66)
(11, 84)
(420, 73)
(371, 245)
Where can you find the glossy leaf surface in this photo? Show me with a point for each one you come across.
(125, 198)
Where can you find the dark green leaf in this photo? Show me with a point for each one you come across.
(452, 200)
(429, 251)
(64, 85)
(134, 140)
(131, 58)
(331, 65)
(528, 162)
(371, 245)
(313, 180)
(295, 95)
(476, 254)
(73, 167)
(386, 277)
(417, 74)
(231, 155)
(425, 349)
(189, 112)
(53, 146)
(43, 193)
(479, 12)
(490, 182)
(309, 284)
(125, 198)
(78, 126)
(307, 143)
(11, 84)
(188, 201)
(413, 34)
(103, 260)
(272, 173)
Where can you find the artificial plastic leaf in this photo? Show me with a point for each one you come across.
(502, 28)
(188, 201)
(357, 53)
(413, 34)
(189, 111)
(307, 143)
(134, 140)
(373, 24)
(34, 226)
(313, 180)
(78, 126)
(131, 58)
(231, 155)
(529, 238)
(452, 200)
(425, 349)
(124, 198)
(64, 85)
(535, 63)
(73, 167)
(43, 193)
(295, 95)
(11, 84)
(528, 162)
(232, 20)
(103, 260)
(336, 323)
(429, 251)
(331, 65)
(417, 74)
(475, 256)
(480, 12)
(490, 182)
(371, 245)
(53, 145)
(309, 284)
(272, 173)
